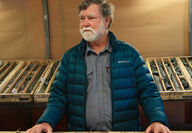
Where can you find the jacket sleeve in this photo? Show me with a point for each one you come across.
(147, 91)
(56, 105)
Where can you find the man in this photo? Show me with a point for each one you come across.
(101, 81)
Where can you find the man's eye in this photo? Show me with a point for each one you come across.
(81, 18)
(91, 18)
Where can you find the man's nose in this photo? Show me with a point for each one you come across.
(86, 23)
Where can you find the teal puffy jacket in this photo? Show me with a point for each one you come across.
(131, 84)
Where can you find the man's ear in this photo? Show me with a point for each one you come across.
(107, 22)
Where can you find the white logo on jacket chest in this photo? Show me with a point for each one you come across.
(123, 61)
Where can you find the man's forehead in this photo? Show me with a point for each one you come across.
(88, 14)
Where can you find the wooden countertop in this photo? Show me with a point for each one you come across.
(94, 132)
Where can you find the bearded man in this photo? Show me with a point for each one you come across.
(101, 81)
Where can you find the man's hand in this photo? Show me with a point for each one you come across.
(157, 127)
(43, 127)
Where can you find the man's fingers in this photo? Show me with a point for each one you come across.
(28, 131)
(44, 127)
(157, 127)
(148, 130)
(49, 130)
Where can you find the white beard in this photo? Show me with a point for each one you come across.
(93, 35)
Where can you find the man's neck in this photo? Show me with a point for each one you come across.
(100, 44)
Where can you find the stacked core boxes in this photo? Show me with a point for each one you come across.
(30, 80)
(173, 76)
(19, 80)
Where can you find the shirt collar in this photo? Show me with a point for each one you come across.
(108, 48)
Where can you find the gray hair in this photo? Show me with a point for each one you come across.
(106, 8)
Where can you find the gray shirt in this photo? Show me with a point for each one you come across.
(98, 104)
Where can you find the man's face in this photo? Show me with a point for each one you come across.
(92, 24)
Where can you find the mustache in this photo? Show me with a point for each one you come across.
(87, 29)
